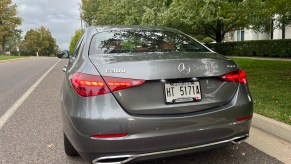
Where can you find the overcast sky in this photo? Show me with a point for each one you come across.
(61, 17)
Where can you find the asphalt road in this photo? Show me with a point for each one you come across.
(17, 76)
(34, 132)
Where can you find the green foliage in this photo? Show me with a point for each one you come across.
(41, 41)
(268, 15)
(207, 40)
(263, 48)
(75, 39)
(199, 18)
(123, 12)
(9, 57)
(207, 17)
(9, 35)
(130, 44)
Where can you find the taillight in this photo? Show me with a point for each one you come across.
(116, 84)
(89, 85)
(92, 85)
(236, 76)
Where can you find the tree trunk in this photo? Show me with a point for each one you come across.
(272, 29)
(283, 30)
(218, 33)
(3, 45)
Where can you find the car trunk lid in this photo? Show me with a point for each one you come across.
(162, 69)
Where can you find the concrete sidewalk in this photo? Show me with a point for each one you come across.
(270, 144)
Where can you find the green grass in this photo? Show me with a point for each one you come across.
(9, 57)
(270, 85)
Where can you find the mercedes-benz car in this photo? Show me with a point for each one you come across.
(133, 93)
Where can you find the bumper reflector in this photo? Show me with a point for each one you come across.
(102, 136)
(244, 118)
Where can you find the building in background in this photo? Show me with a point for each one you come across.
(249, 34)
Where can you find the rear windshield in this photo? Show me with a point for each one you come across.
(143, 41)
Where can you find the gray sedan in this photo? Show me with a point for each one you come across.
(133, 93)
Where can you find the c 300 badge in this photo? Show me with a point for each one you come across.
(115, 70)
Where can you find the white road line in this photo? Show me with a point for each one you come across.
(18, 103)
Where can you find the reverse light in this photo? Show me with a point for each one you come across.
(92, 85)
(236, 76)
(102, 136)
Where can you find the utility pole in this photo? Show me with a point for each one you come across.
(81, 21)
(17, 49)
(80, 9)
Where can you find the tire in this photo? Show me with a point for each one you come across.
(69, 149)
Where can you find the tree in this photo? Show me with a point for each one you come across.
(75, 39)
(268, 15)
(32, 41)
(8, 24)
(89, 8)
(40, 41)
(122, 12)
(211, 18)
(281, 13)
(153, 14)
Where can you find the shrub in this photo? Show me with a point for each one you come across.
(207, 40)
(261, 48)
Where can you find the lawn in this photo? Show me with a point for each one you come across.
(270, 85)
(9, 57)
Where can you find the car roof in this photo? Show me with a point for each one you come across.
(131, 27)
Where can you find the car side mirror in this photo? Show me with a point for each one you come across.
(64, 55)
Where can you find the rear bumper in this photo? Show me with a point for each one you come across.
(170, 135)
(128, 158)
(149, 146)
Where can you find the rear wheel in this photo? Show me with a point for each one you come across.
(69, 149)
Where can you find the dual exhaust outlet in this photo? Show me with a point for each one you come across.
(120, 159)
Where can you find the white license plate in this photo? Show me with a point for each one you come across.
(182, 92)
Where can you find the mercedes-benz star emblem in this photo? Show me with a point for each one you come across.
(184, 68)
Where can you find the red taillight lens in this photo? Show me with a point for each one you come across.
(236, 76)
(89, 85)
(244, 118)
(92, 85)
(118, 135)
(116, 84)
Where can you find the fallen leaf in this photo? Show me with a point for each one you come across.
(50, 145)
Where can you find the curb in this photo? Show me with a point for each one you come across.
(271, 126)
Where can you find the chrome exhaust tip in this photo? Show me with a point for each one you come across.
(114, 159)
(239, 140)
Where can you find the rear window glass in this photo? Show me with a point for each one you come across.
(143, 41)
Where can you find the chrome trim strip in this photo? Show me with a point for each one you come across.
(132, 157)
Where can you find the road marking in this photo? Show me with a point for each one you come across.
(19, 102)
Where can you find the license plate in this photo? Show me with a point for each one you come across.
(182, 92)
